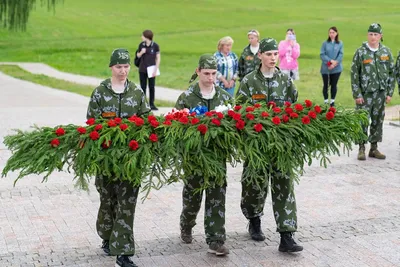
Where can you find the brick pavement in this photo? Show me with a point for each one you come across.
(349, 213)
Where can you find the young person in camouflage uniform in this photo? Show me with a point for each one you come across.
(267, 83)
(117, 97)
(249, 60)
(397, 71)
(372, 83)
(204, 93)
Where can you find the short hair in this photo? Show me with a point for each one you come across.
(223, 41)
(148, 34)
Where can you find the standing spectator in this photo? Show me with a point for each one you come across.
(372, 83)
(204, 93)
(149, 55)
(331, 55)
(117, 97)
(397, 70)
(289, 52)
(249, 60)
(227, 65)
(267, 83)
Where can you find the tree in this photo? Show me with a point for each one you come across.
(14, 14)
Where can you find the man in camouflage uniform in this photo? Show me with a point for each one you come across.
(267, 83)
(117, 97)
(249, 60)
(372, 83)
(199, 94)
(397, 71)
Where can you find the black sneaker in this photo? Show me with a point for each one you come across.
(288, 244)
(124, 261)
(105, 246)
(153, 107)
(255, 229)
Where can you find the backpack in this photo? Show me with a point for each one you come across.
(137, 60)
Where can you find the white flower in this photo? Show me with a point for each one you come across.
(223, 108)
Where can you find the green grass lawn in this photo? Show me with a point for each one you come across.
(80, 36)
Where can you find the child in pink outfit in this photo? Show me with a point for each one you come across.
(289, 51)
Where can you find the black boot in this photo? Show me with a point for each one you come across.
(106, 247)
(288, 244)
(255, 229)
(124, 261)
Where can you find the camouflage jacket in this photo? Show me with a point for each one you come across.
(192, 98)
(247, 62)
(255, 87)
(104, 102)
(372, 71)
(397, 70)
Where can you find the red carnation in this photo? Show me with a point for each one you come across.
(237, 116)
(216, 122)
(139, 121)
(312, 114)
(94, 135)
(151, 118)
(271, 104)
(240, 125)
(231, 113)
(258, 127)
(202, 128)
(118, 120)
(81, 130)
(288, 110)
(276, 109)
(276, 120)
(106, 144)
(264, 114)
(249, 109)
(287, 104)
(123, 126)
(308, 103)
(55, 142)
(153, 137)
(98, 127)
(208, 114)
(184, 120)
(237, 108)
(330, 115)
(194, 121)
(332, 109)
(257, 105)
(219, 115)
(90, 121)
(60, 131)
(318, 109)
(305, 120)
(154, 123)
(250, 116)
(169, 117)
(133, 145)
(328, 63)
(111, 123)
(294, 115)
(167, 122)
(298, 107)
(285, 118)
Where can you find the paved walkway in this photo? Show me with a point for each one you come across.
(349, 213)
(162, 93)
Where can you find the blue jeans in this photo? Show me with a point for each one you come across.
(230, 90)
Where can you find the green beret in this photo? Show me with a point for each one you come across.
(120, 56)
(206, 61)
(375, 27)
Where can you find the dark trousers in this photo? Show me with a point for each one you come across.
(143, 84)
(332, 80)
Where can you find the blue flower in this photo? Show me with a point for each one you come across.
(199, 110)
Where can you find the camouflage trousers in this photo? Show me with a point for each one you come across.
(214, 213)
(116, 214)
(374, 103)
(283, 201)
